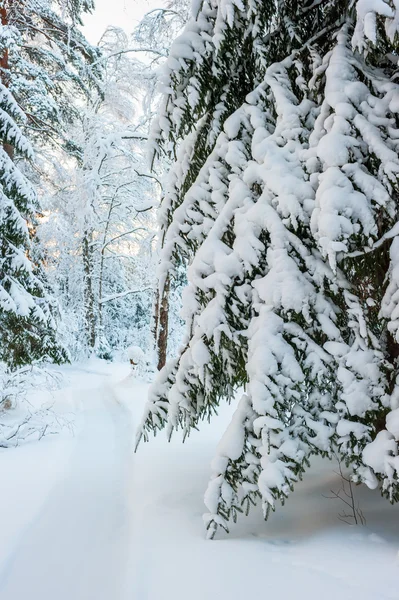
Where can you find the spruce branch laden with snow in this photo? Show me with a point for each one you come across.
(284, 209)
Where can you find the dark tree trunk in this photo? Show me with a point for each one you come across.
(161, 324)
(4, 67)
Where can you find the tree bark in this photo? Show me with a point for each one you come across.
(90, 320)
(4, 68)
(161, 324)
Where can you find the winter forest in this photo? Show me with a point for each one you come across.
(199, 243)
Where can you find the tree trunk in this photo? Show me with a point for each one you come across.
(4, 67)
(161, 324)
(100, 295)
(90, 321)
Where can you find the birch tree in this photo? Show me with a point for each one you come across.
(106, 206)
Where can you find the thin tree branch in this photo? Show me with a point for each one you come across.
(123, 294)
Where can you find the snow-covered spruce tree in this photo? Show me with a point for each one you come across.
(211, 67)
(42, 54)
(26, 323)
(355, 140)
(287, 226)
(49, 62)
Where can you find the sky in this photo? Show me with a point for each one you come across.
(122, 13)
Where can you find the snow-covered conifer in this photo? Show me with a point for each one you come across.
(286, 220)
(26, 323)
(49, 62)
(42, 53)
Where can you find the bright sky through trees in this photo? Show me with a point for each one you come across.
(122, 13)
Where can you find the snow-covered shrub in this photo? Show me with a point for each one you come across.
(21, 419)
(135, 355)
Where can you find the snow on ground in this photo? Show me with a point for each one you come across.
(82, 518)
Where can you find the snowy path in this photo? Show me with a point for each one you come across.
(76, 548)
(82, 518)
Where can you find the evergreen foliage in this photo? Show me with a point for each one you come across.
(283, 201)
(43, 58)
(26, 323)
(49, 63)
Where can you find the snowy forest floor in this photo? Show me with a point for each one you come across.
(83, 518)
